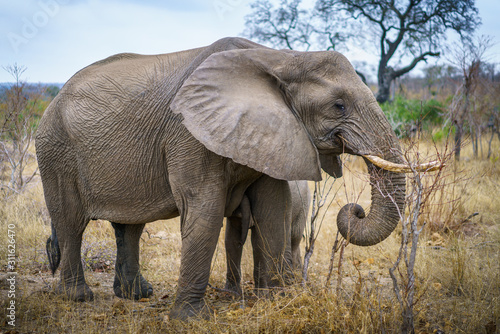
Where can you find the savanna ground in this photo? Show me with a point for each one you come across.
(457, 269)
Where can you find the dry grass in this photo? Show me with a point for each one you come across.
(457, 272)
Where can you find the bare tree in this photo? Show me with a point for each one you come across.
(494, 126)
(470, 103)
(293, 26)
(406, 31)
(19, 110)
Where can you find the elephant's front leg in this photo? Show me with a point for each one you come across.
(200, 233)
(129, 282)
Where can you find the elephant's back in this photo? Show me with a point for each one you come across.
(111, 128)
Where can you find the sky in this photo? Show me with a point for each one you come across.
(54, 39)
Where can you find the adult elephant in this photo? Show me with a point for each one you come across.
(244, 219)
(136, 138)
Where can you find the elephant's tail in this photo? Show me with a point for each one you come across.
(53, 251)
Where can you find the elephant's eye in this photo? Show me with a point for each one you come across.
(340, 106)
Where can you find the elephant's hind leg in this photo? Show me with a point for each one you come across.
(68, 224)
(129, 282)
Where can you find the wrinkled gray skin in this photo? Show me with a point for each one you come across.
(132, 139)
(237, 227)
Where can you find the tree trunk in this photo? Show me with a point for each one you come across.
(458, 139)
(459, 122)
(385, 79)
(489, 142)
(384, 90)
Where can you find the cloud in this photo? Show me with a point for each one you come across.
(176, 6)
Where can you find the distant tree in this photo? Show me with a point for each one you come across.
(477, 94)
(404, 31)
(438, 77)
(291, 26)
(51, 91)
(19, 112)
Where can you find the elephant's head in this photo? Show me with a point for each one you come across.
(288, 114)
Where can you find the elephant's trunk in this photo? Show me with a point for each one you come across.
(388, 199)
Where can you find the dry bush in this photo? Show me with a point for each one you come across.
(463, 197)
(20, 110)
(457, 270)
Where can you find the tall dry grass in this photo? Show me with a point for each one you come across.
(457, 271)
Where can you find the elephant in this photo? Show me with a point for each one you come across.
(136, 138)
(242, 220)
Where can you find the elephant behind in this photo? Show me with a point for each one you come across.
(242, 220)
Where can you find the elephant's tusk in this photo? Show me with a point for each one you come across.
(401, 168)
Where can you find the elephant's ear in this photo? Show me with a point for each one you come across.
(233, 103)
(331, 164)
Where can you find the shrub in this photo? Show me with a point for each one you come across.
(21, 107)
(443, 133)
(408, 116)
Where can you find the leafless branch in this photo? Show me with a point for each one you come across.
(321, 194)
(17, 132)
(418, 194)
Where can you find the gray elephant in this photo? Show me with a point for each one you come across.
(136, 138)
(242, 220)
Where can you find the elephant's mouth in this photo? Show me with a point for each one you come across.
(335, 143)
(332, 143)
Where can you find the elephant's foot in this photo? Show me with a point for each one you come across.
(261, 292)
(233, 287)
(132, 289)
(79, 292)
(296, 277)
(184, 311)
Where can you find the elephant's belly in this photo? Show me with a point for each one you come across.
(138, 214)
(130, 202)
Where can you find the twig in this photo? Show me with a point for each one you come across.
(332, 257)
(339, 268)
(469, 218)
(319, 200)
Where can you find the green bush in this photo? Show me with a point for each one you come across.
(409, 115)
(443, 132)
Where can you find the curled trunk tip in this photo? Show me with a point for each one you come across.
(388, 196)
(354, 226)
